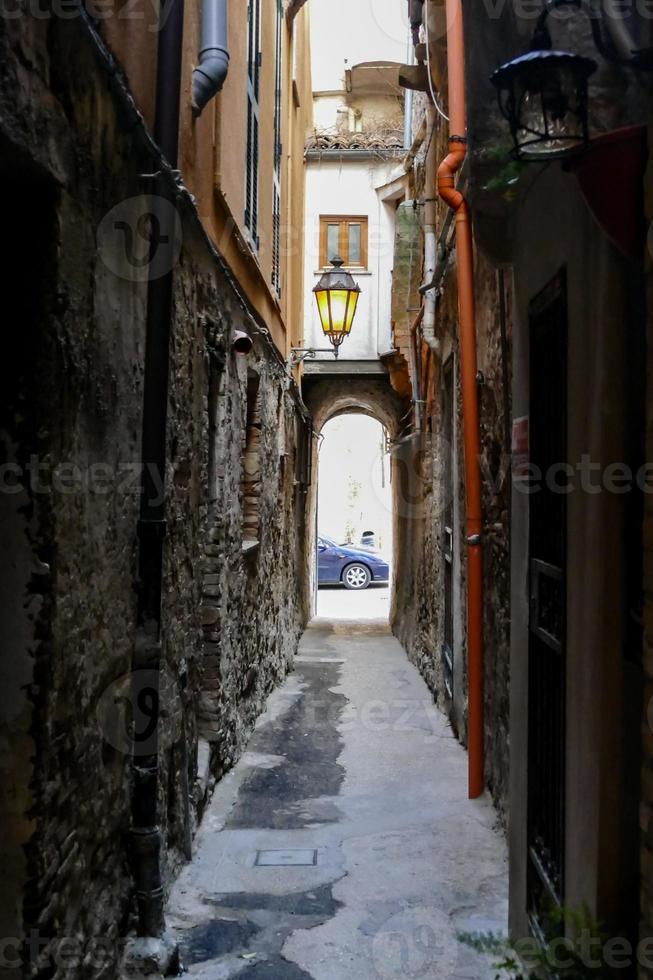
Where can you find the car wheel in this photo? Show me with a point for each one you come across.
(356, 577)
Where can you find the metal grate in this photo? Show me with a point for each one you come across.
(289, 858)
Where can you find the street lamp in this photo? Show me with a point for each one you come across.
(543, 94)
(337, 298)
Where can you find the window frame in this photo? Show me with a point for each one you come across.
(344, 220)
(278, 151)
(252, 158)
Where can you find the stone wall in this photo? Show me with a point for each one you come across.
(70, 434)
(496, 424)
(252, 586)
(234, 612)
(420, 592)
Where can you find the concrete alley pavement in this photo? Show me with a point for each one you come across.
(343, 846)
(336, 602)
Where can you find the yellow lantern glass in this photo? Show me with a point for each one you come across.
(337, 298)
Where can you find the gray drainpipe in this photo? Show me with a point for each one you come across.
(430, 235)
(408, 104)
(415, 11)
(210, 74)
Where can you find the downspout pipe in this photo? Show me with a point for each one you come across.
(447, 190)
(430, 235)
(408, 104)
(415, 9)
(211, 73)
(415, 366)
(145, 832)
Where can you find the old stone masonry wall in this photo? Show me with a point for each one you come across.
(431, 594)
(74, 305)
(433, 505)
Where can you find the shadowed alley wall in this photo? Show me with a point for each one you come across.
(431, 592)
(70, 432)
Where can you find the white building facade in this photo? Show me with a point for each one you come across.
(351, 201)
(354, 174)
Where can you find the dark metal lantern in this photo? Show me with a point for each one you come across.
(543, 95)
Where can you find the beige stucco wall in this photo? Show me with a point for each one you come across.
(213, 146)
(299, 121)
(213, 152)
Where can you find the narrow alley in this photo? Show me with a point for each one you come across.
(343, 843)
(326, 489)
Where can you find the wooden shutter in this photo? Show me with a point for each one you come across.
(276, 190)
(253, 91)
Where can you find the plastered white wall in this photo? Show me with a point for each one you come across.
(353, 187)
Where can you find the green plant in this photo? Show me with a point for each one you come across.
(576, 954)
(506, 171)
(506, 180)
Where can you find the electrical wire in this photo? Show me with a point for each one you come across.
(428, 63)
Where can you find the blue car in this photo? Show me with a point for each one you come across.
(353, 567)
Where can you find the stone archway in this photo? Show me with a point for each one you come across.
(351, 394)
(327, 398)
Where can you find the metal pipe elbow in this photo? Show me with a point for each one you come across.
(446, 179)
(209, 76)
(211, 72)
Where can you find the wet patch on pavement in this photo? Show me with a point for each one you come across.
(210, 940)
(307, 739)
(317, 902)
(275, 969)
(248, 932)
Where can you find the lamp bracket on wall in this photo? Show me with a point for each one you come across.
(299, 354)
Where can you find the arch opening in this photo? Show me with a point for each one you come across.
(355, 404)
(354, 527)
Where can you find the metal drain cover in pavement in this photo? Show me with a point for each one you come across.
(291, 858)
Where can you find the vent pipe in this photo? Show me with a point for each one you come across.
(211, 72)
(415, 11)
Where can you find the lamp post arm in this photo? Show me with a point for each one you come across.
(299, 354)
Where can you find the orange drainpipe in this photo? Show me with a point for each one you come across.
(471, 432)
